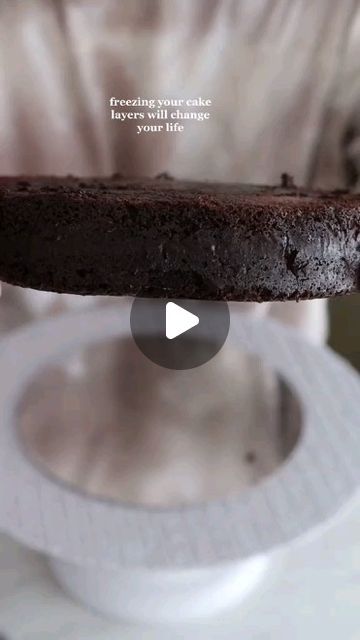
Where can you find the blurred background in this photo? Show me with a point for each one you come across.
(284, 80)
(345, 328)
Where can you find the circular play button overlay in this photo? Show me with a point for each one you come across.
(179, 334)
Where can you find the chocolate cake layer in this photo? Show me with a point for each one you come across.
(167, 238)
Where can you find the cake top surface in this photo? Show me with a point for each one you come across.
(164, 185)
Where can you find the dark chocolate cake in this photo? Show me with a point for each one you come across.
(174, 239)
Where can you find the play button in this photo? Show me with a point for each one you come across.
(178, 320)
(179, 334)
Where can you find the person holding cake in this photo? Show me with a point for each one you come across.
(284, 100)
